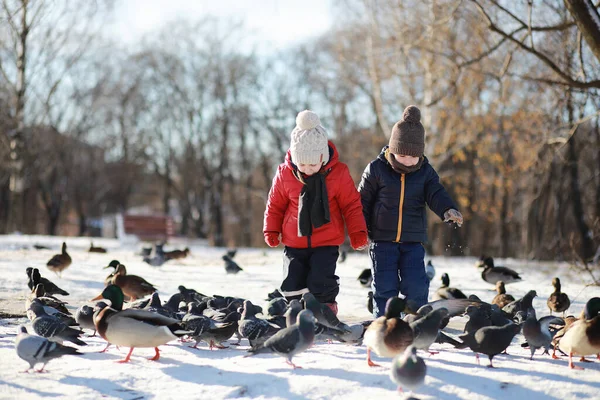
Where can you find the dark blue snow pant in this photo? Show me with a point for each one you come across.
(398, 268)
(310, 270)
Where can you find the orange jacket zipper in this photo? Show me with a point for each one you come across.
(400, 208)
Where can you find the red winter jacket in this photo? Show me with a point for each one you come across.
(281, 214)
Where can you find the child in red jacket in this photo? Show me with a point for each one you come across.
(311, 196)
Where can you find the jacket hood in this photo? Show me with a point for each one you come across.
(333, 157)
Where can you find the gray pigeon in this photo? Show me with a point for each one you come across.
(291, 315)
(522, 304)
(477, 319)
(231, 267)
(36, 349)
(538, 335)
(426, 329)
(85, 318)
(490, 340)
(323, 313)
(53, 328)
(429, 270)
(35, 278)
(408, 369)
(277, 307)
(291, 341)
(256, 330)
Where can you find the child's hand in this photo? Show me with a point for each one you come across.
(272, 239)
(359, 240)
(453, 215)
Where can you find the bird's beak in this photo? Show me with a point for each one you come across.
(97, 297)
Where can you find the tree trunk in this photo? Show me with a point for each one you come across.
(587, 247)
(82, 224)
(588, 22)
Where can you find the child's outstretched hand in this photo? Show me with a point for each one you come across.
(272, 239)
(359, 240)
(453, 215)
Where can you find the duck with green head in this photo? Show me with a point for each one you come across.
(388, 335)
(133, 328)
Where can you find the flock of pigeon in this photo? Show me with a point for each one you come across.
(289, 328)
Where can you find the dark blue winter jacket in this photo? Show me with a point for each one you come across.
(394, 204)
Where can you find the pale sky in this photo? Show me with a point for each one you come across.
(274, 23)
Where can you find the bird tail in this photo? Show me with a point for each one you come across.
(62, 292)
(60, 350)
(73, 338)
(180, 331)
(443, 338)
(258, 350)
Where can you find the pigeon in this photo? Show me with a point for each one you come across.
(37, 349)
(323, 313)
(558, 301)
(408, 369)
(492, 274)
(35, 278)
(291, 341)
(201, 325)
(429, 270)
(502, 299)
(231, 253)
(522, 304)
(536, 334)
(291, 315)
(277, 307)
(156, 261)
(85, 318)
(446, 292)
(477, 319)
(231, 266)
(53, 328)
(256, 330)
(490, 340)
(366, 277)
(274, 294)
(427, 328)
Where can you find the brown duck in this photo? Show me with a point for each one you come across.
(59, 262)
(388, 335)
(93, 249)
(177, 254)
(502, 299)
(132, 285)
(558, 301)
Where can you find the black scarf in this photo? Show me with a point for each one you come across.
(313, 205)
(401, 168)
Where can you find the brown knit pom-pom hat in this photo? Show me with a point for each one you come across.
(408, 134)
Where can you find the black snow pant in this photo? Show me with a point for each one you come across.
(310, 270)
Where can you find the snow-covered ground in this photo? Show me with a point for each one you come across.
(329, 370)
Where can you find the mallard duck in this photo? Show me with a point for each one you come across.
(388, 335)
(113, 264)
(492, 274)
(93, 249)
(582, 337)
(446, 292)
(132, 285)
(177, 254)
(558, 302)
(502, 299)
(133, 328)
(59, 262)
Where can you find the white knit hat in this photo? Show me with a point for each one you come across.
(309, 140)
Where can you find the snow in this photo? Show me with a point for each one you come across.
(329, 371)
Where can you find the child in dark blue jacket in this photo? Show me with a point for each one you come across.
(394, 189)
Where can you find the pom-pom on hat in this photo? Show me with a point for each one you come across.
(408, 134)
(309, 140)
